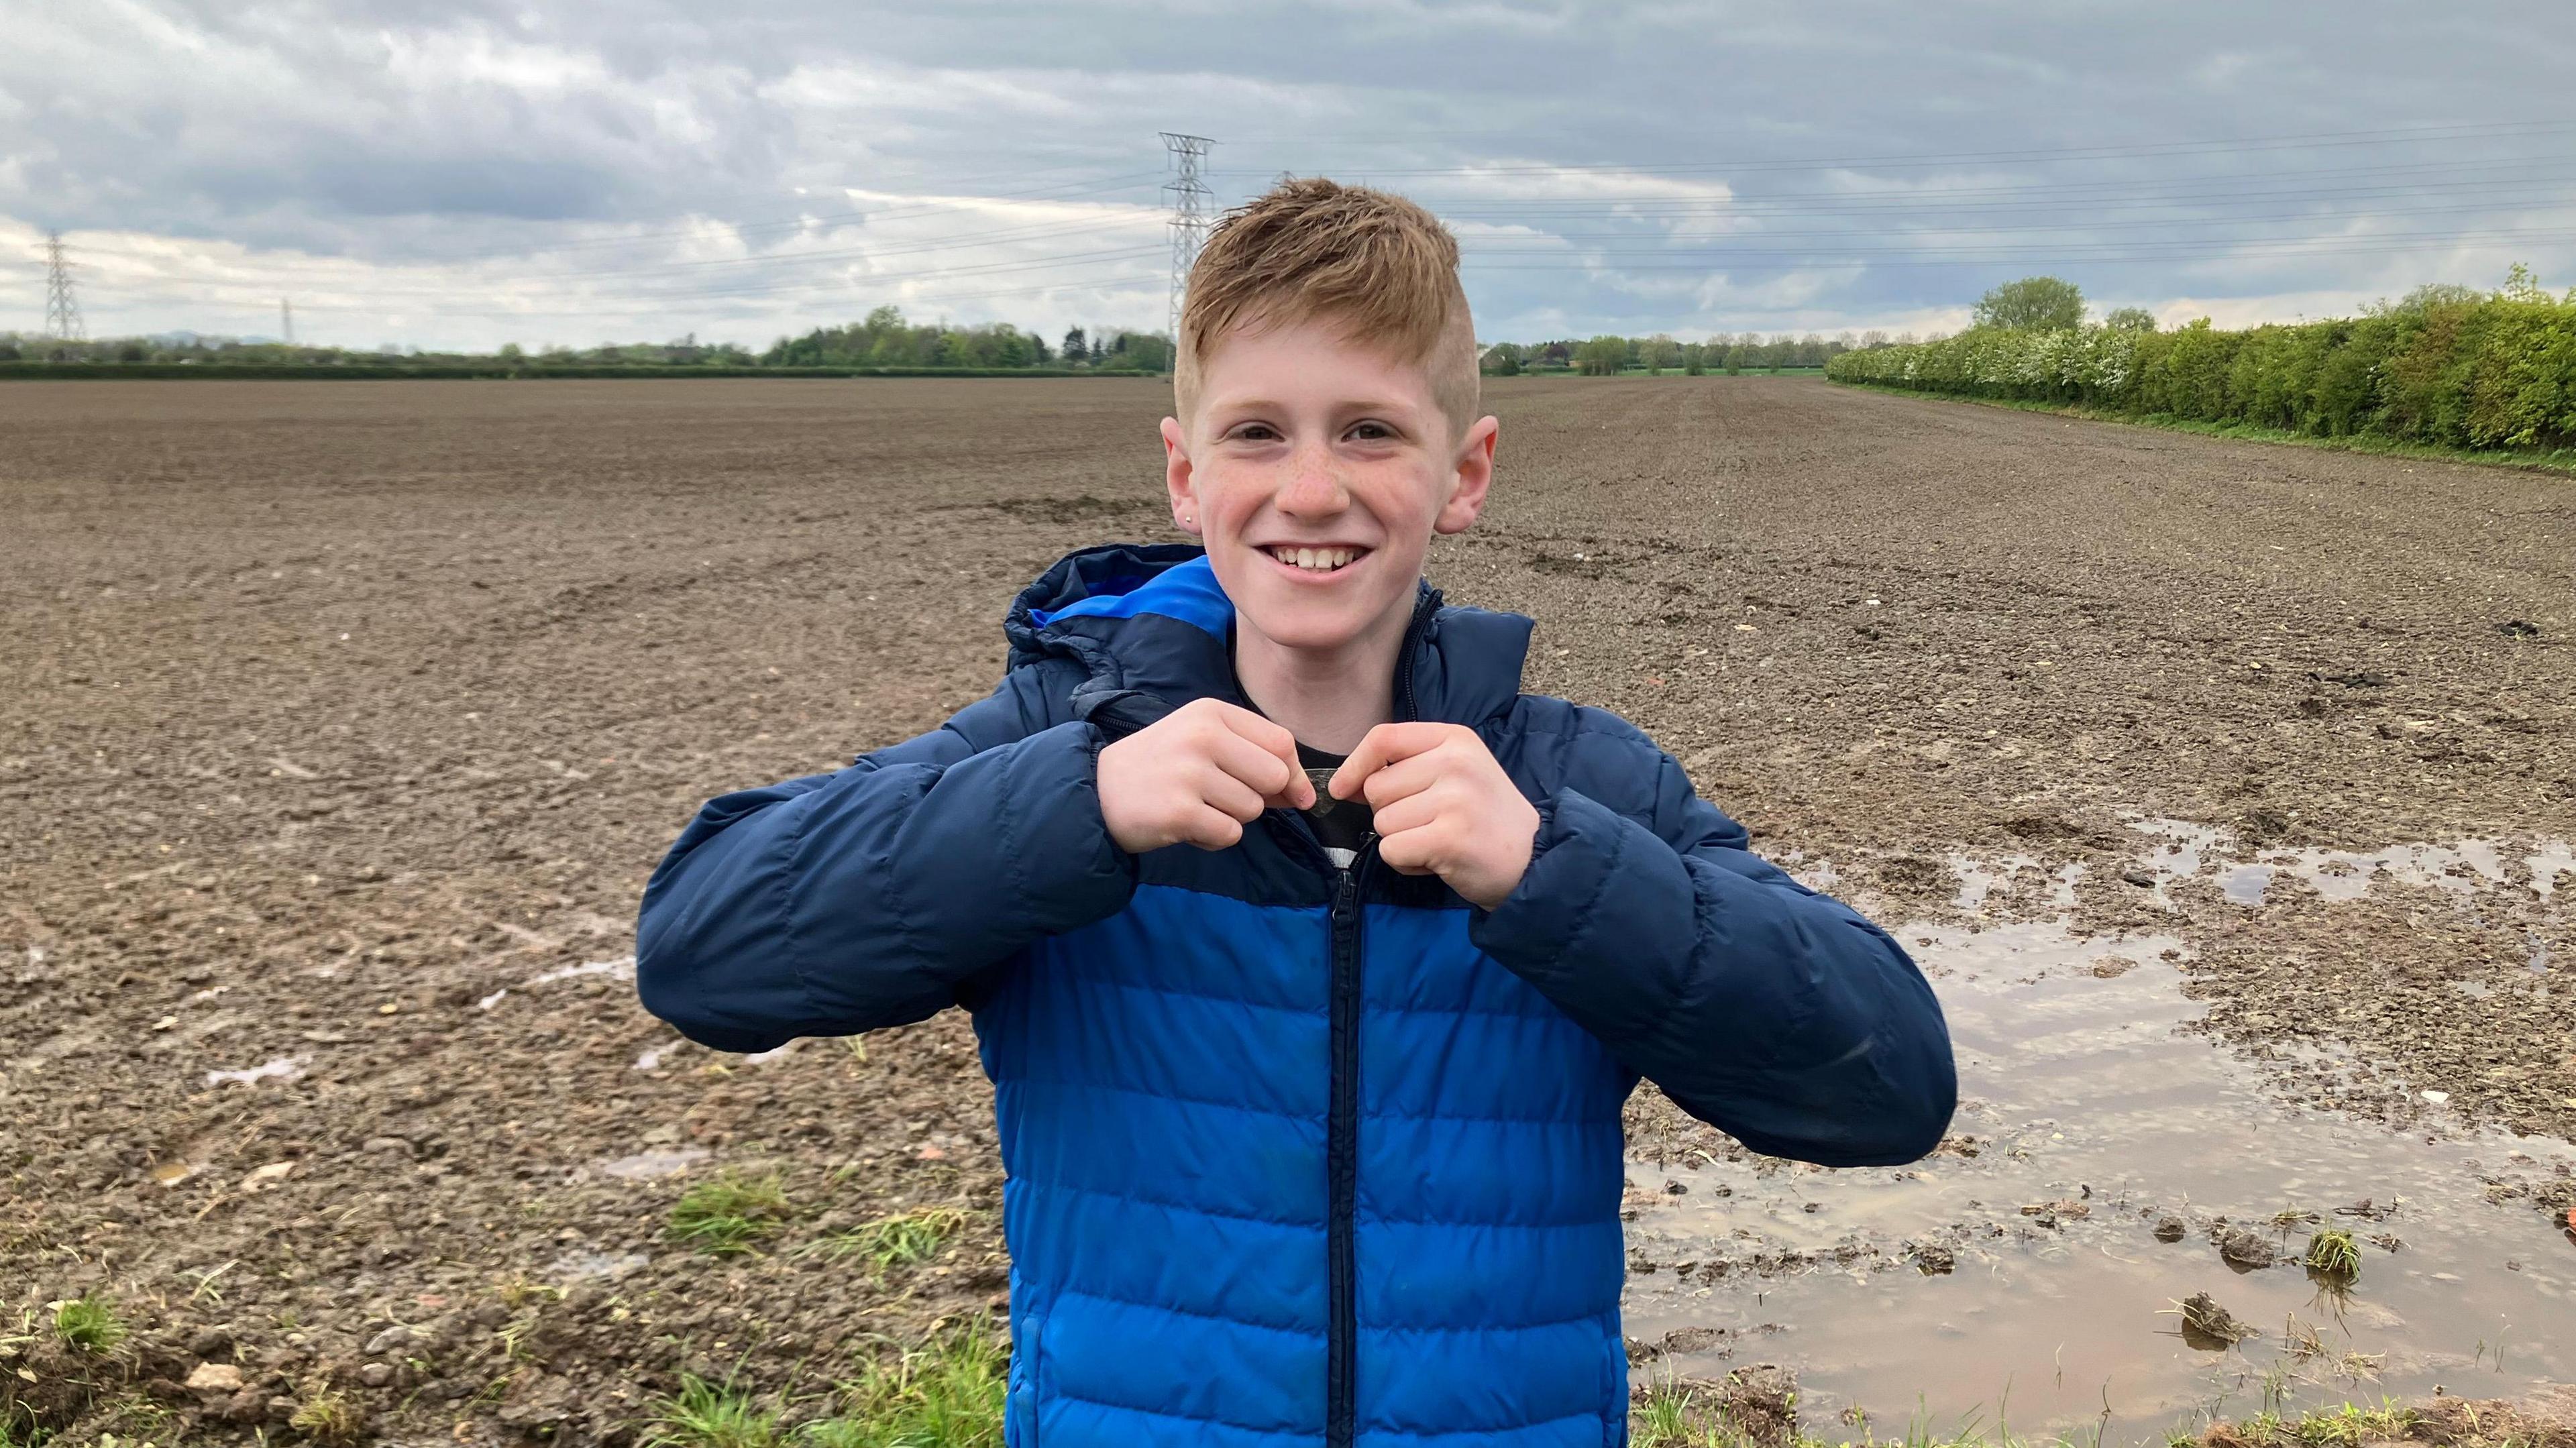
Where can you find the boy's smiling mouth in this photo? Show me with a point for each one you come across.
(1313, 560)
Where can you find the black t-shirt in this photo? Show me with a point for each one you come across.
(1340, 825)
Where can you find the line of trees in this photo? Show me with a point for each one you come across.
(1608, 356)
(189, 348)
(2446, 365)
(884, 339)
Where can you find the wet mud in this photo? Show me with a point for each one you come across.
(346, 720)
(2113, 1235)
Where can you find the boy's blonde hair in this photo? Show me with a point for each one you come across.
(1382, 267)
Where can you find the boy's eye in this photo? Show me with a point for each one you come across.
(1256, 432)
(1373, 432)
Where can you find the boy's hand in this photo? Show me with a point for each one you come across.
(1443, 807)
(1197, 776)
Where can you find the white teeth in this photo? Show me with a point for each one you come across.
(1315, 560)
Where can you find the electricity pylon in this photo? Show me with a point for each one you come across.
(1193, 207)
(62, 307)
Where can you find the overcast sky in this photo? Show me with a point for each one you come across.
(470, 172)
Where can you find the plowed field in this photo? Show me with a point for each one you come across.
(344, 721)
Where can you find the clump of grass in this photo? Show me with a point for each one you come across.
(2333, 1253)
(1663, 1418)
(897, 1241)
(946, 1393)
(2347, 1425)
(325, 1414)
(89, 1323)
(728, 1214)
(2301, 1341)
(1747, 1409)
(136, 1417)
(711, 1415)
(19, 1428)
(519, 1289)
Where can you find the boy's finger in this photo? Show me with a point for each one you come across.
(1266, 733)
(1386, 744)
(1213, 829)
(1410, 813)
(1407, 852)
(1271, 739)
(1269, 776)
(1231, 796)
(1401, 780)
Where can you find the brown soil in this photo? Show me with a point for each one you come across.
(340, 707)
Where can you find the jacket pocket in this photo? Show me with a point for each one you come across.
(1020, 1400)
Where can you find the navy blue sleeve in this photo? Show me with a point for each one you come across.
(1771, 1012)
(846, 902)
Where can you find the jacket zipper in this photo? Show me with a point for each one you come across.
(1341, 1166)
(1342, 1127)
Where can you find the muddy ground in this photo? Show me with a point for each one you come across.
(345, 721)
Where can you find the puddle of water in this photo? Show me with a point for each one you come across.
(2184, 850)
(2546, 864)
(1977, 880)
(650, 1165)
(2062, 896)
(284, 1068)
(2245, 884)
(1819, 875)
(2093, 1117)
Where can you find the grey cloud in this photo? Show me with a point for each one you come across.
(415, 137)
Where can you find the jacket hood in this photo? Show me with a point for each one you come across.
(1153, 630)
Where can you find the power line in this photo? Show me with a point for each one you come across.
(62, 308)
(1192, 207)
(2405, 135)
(1649, 243)
(2052, 258)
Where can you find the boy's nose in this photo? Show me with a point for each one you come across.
(1314, 487)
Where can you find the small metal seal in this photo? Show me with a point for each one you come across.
(1322, 779)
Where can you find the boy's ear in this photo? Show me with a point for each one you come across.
(1177, 479)
(1471, 479)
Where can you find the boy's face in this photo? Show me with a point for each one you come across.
(1316, 471)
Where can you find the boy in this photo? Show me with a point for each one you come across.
(1311, 960)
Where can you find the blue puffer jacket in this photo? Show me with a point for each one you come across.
(1298, 1155)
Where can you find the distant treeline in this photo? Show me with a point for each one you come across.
(2448, 366)
(1608, 356)
(371, 371)
(885, 339)
(882, 345)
